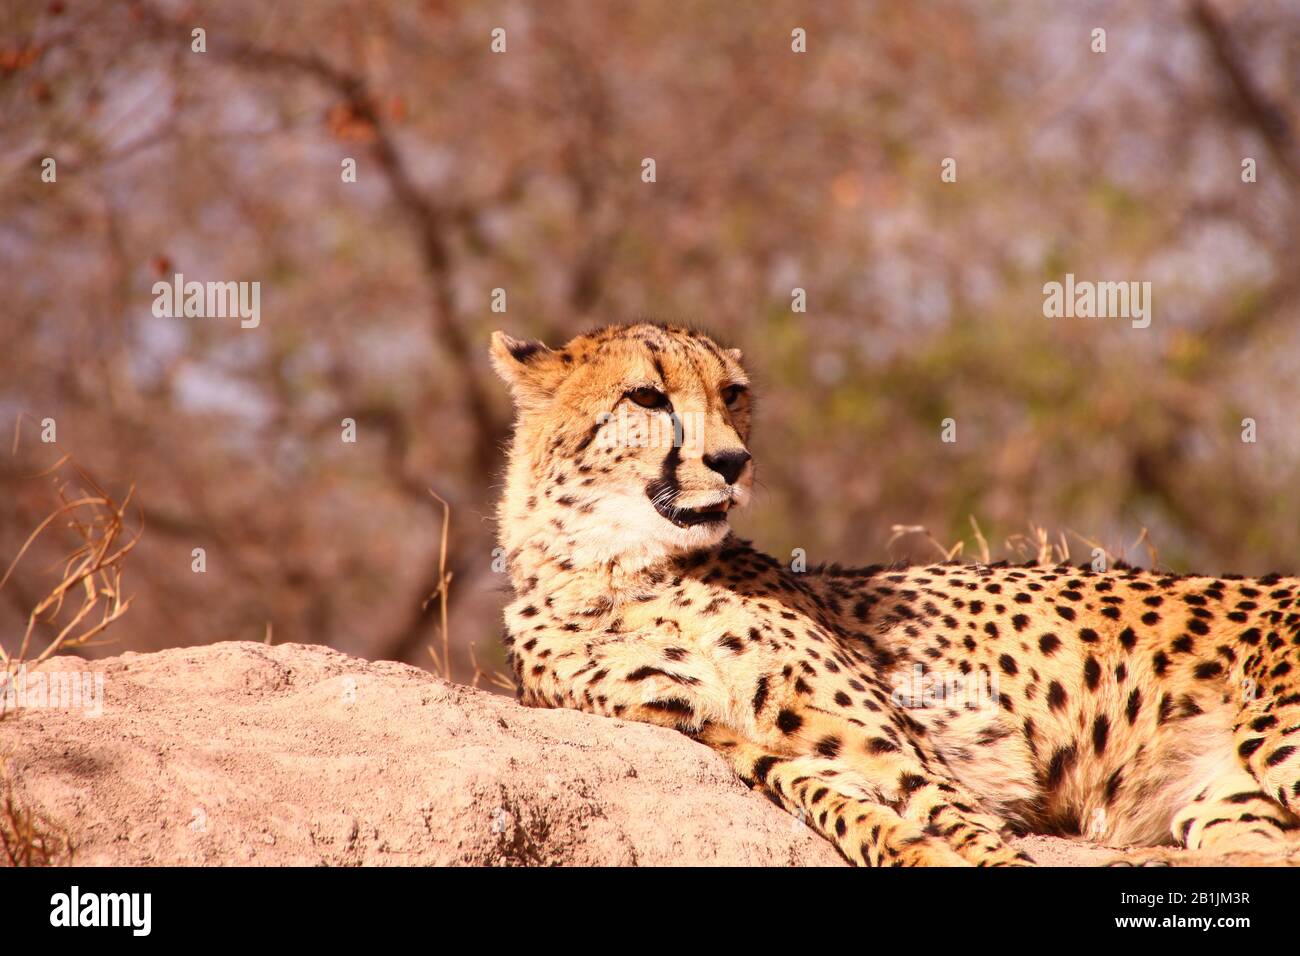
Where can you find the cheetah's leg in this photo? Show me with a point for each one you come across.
(1267, 733)
(950, 812)
(1233, 815)
(826, 793)
(906, 777)
(1255, 808)
(1237, 815)
(1252, 807)
(835, 803)
(1230, 821)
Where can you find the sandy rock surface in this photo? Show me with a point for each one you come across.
(240, 753)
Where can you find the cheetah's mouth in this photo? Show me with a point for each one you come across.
(664, 490)
(691, 517)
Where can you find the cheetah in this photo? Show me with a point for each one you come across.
(1133, 707)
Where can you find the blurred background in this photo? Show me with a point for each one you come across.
(522, 170)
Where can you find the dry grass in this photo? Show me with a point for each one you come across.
(442, 662)
(1037, 545)
(27, 838)
(442, 657)
(87, 598)
(496, 678)
(81, 604)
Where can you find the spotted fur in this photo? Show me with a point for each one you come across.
(1134, 707)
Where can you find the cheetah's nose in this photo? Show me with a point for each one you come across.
(729, 464)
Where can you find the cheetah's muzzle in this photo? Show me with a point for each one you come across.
(664, 490)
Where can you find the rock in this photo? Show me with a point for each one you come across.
(241, 753)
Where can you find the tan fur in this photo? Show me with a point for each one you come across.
(1131, 707)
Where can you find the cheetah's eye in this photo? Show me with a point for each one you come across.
(648, 397)
(731, 394)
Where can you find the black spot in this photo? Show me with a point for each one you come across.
(760, 694)
(763, 766)
(1056, 696)
(1277, 756)
(1248, 747)
(1134, 705)
(1091, 672)
(788, 721)
(829, 746)
(1207, 669)
(1246, 797)
(672, 705)
(908, 783)
(731, 643)
(1061, 761)
(1113, 784)
(1048, 643)
(1028, 729)
(1100, 730)
(1008, 665)
(641, 673)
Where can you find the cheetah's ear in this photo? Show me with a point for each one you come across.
(735, 355)
(530, 368)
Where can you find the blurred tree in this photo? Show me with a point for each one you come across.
(520, 171)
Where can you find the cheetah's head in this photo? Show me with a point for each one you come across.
(629, 443)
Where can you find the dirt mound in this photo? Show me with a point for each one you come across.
(241, 753)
